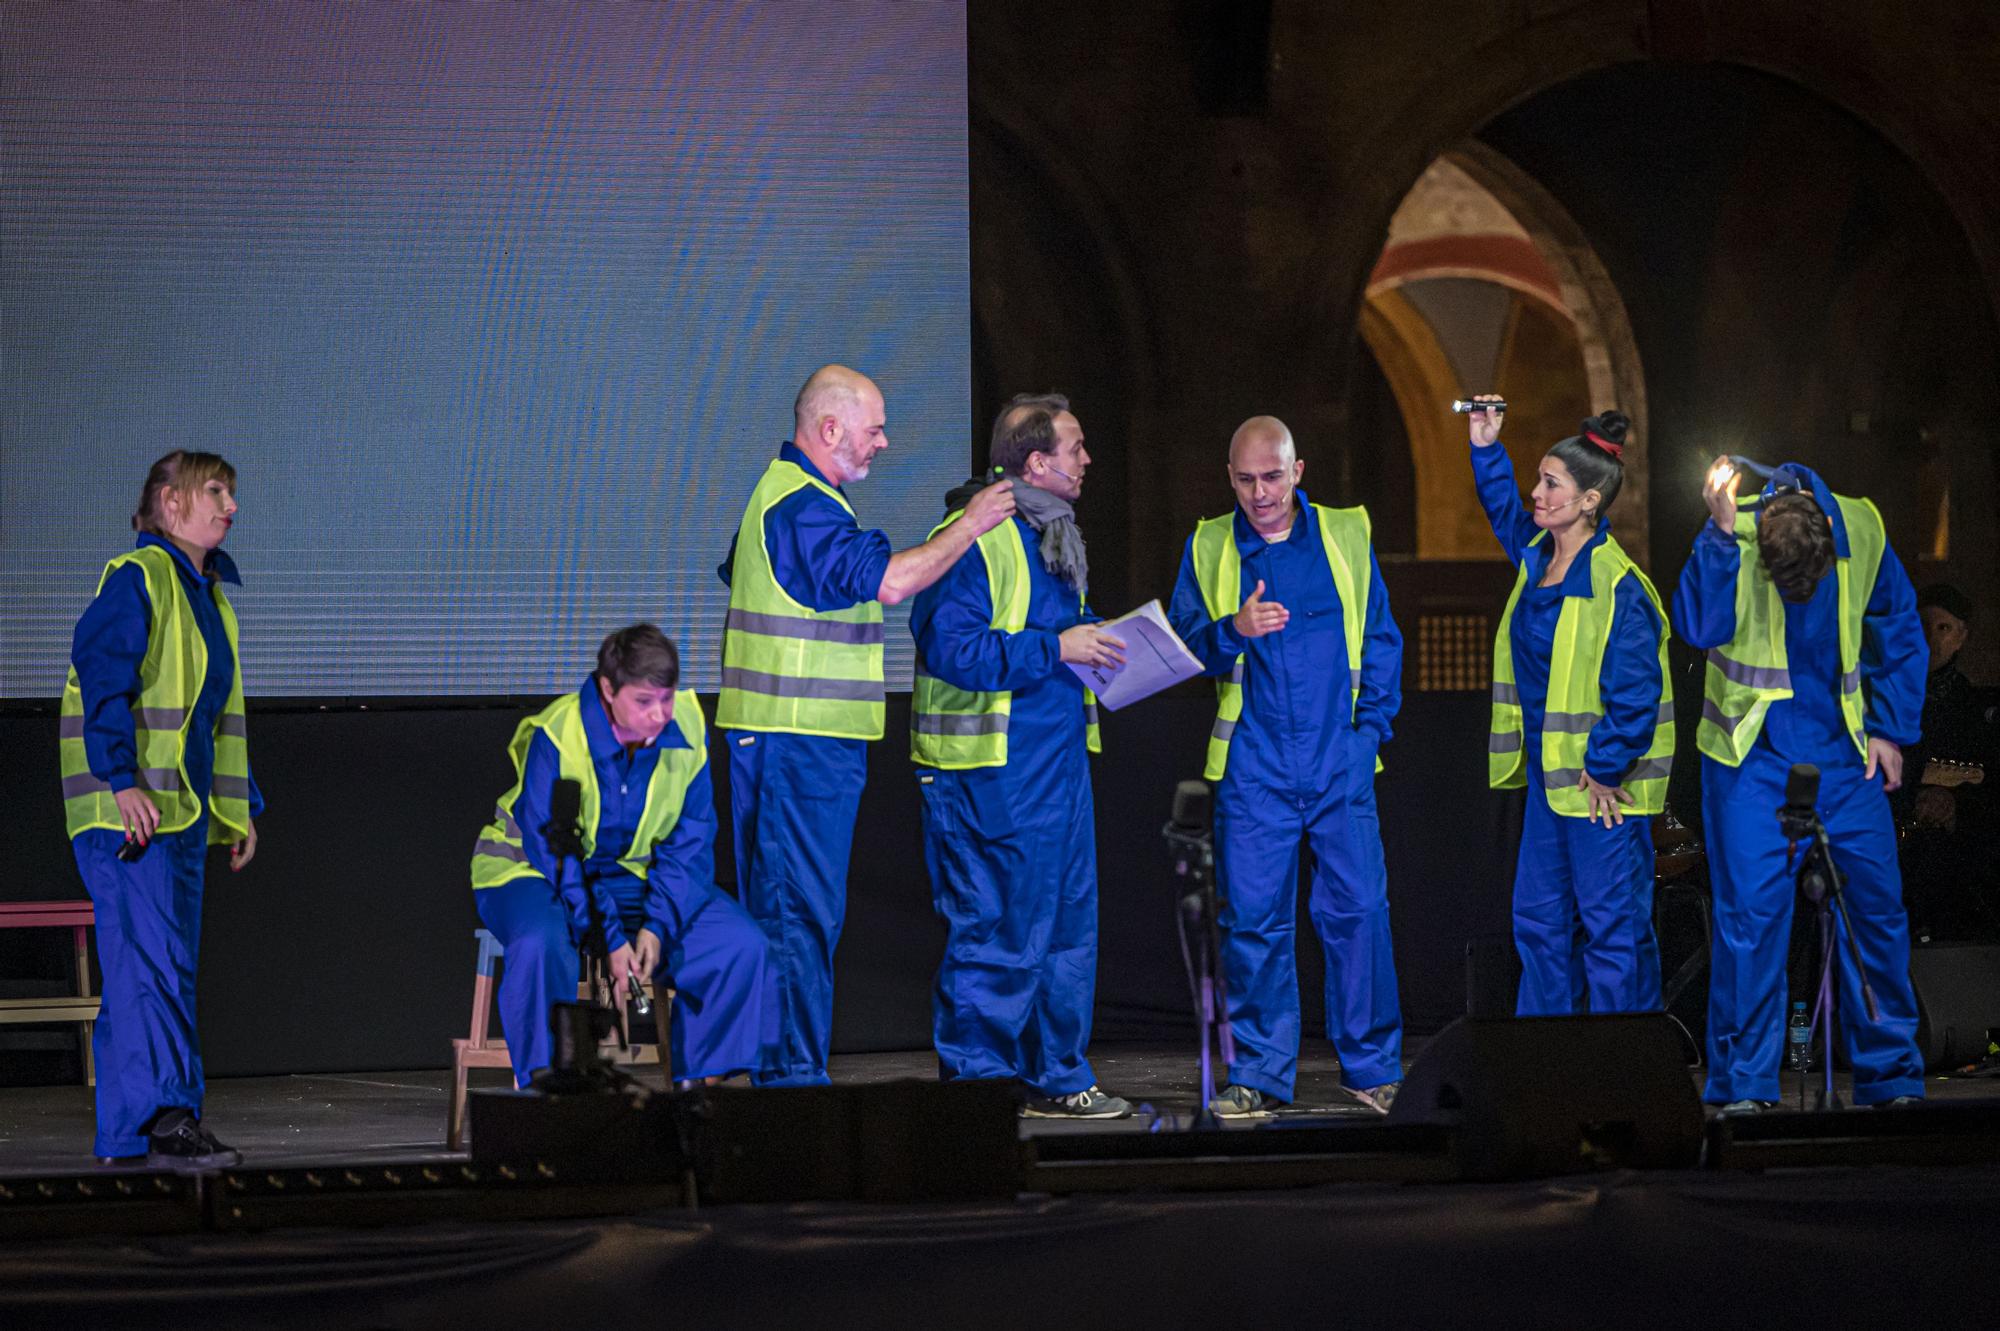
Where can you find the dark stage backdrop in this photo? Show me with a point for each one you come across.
(347, 945)
(498, 309)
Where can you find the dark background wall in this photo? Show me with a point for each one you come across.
(1177, 206)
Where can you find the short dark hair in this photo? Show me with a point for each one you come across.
(1027, 424)
(639, 654)
(1796, 543)
(1594, 466)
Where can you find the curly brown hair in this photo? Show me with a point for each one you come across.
(1796, 542)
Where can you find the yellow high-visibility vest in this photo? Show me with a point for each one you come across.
(1575, 703)
(499, 857)
(953, 728)
(785, 666)
(1344, 535)
(1752, 671)
(170, 680)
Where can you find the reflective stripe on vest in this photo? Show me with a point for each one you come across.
(954, 728)
(498, 856)
(1752, 670)
(1575, 704)
(786, 667)
(170, 679)
(1344, 534)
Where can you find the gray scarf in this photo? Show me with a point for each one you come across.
(1062, 544)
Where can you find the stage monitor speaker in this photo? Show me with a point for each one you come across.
(894, 1141)
(1958, 1001)
(1536, 1096)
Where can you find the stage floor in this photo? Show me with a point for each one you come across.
(366, 1118)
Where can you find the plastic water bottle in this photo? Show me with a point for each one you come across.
(1798, 1040)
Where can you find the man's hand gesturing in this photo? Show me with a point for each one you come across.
(1259, 616)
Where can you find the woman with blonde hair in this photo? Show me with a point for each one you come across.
(155, 769)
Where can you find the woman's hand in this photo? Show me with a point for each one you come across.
(1259, 616)
(1889, 758)
(645, 957)
(240, 853)
(139, 814)
(1485, 424)
(1604, 800)
(1719, 493)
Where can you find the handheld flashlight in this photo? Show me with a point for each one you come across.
(1466, 406)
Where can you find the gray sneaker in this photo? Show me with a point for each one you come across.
(1377, 1098)
(1091, 1103)
(1241, 1102)
(1736, 1108)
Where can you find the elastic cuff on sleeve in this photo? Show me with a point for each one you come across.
(1227, 638)
(122, 780)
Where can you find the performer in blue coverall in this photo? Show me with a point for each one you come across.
(1583, 882)
(1000, 729)
(638, 748)
(1839, 683)
(155, 762)
(802, 688)
(1267, 597)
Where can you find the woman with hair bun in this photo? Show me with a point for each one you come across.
(155, 770)
(1583, 718)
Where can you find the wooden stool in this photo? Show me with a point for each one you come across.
(80, 1007)
(480, 1050)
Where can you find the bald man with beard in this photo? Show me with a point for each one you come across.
(802, 688)
(1284, 604)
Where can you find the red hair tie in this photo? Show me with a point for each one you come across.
(1615, 450)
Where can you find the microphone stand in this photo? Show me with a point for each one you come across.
(1821, 882)
(577, 1027)
(1199, 912)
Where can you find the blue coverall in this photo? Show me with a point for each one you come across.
(1579, 887)
(1012, 850)
(149, 912)
(1300, 767)
(725, 1012)
(793, 798)
(1752, 884)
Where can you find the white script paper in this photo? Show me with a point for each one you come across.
(1155, 658)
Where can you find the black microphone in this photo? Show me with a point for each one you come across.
(1191, 807)
(1802, 786)
(1796, 817)
(564, 835)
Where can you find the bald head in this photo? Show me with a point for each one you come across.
(1264, 470)
(832, 390)
(1260, 433)
(840, 422)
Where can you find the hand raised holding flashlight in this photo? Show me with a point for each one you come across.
(1719, 493)
(1484, 412)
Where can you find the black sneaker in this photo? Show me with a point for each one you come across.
(1091, 1103)
(179, 1141)
(1900, 1102)
(121, 1161)
(1737, 1108)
